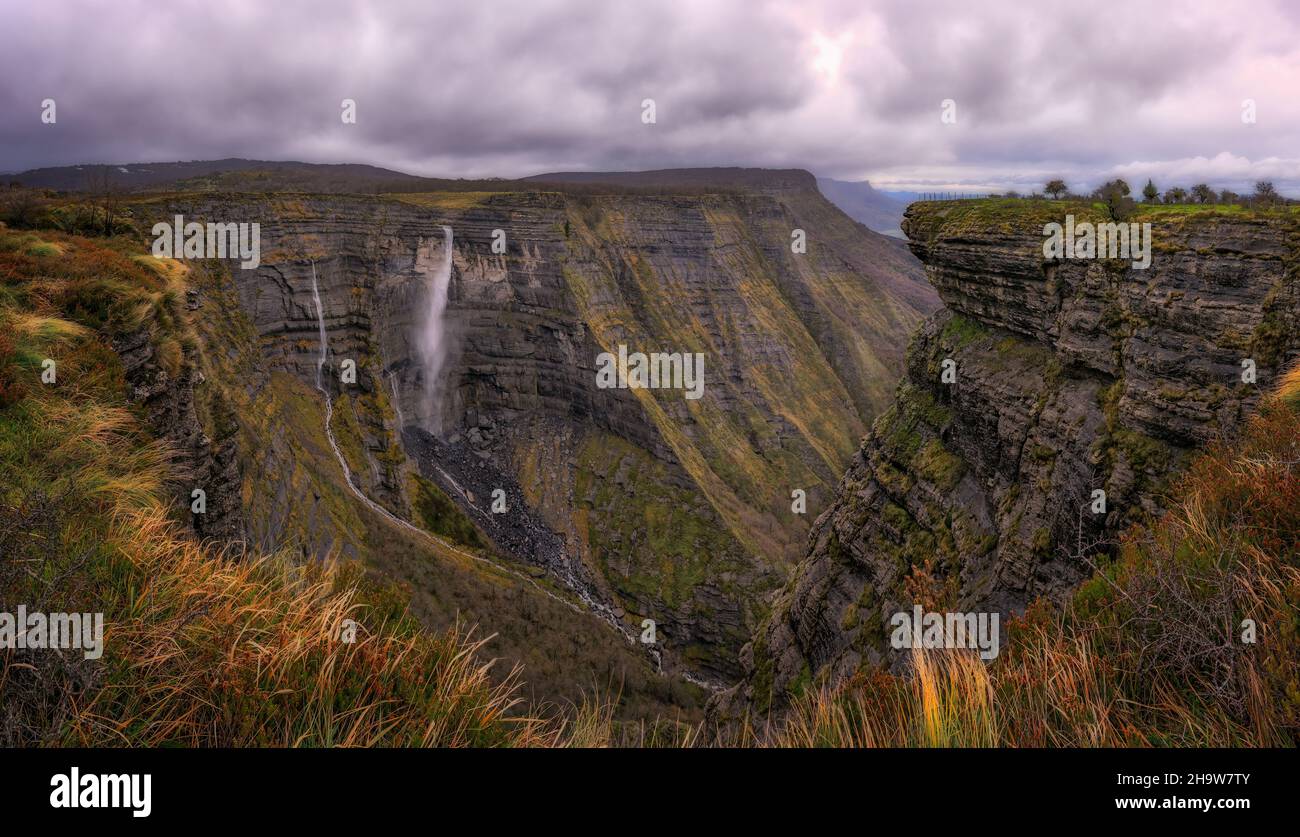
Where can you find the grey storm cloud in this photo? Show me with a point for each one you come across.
(847, 89)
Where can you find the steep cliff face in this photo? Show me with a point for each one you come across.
(200, 437)
(1071, 376)
(659, 506)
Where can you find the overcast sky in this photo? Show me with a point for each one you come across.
(851, 90)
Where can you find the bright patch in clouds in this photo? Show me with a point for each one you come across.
(829, 56)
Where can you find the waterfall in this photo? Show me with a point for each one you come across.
(329, 430)
(592, 605)
(397, 401)
(329, 402)
(430, 342)
(320, 326)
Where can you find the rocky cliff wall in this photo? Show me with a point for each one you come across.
(1071, 376)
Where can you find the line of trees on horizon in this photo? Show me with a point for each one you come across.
(1265, 194)
(1120, 201)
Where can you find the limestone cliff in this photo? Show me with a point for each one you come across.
(1071, 376)
(657, 506)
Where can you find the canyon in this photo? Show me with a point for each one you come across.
(620, 505)
(967, 427)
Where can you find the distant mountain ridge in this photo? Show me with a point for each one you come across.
(726, 177)
(244, 175)
(865, 204)
(143, 176)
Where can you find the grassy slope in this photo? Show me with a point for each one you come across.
(732, 452)
(799, 350)
(1012, 215)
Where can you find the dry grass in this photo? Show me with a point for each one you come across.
(247, 651)
(1289, 390)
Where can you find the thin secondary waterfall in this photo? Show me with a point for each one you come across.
(431, 341)
(397, 401)
(329, 402)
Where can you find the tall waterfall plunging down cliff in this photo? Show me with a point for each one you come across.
(430, 341)
(580, 590)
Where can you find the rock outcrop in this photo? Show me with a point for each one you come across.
(1070, 377)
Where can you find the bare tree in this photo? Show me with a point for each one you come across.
(104, 192)
(1265, 193)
